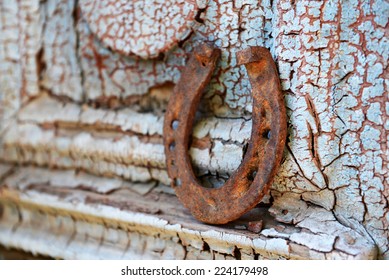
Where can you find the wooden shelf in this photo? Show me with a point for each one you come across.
(100, 218)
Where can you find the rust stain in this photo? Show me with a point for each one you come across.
(247, 186)
(255, 226)
(204, 143)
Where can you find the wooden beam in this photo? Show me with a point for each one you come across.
(88, 219)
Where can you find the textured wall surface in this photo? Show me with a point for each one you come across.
(69, 100)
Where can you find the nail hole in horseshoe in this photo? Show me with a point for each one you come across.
(172, 146)
(175, 124)
(177, 182)
(252, 175)
(267, 134)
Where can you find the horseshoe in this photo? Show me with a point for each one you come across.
(251, 181)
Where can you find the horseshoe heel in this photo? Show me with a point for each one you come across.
(251, 181)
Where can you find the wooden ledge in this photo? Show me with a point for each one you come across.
(70, 215)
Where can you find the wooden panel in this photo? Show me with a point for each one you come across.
(83, 217)
(98, 111)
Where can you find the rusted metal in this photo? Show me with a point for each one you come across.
(251, 181)
(255, 226)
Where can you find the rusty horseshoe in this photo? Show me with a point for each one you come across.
(251, 181)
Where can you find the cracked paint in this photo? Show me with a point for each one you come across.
(89, 232)
(143, 28)
(332, 58)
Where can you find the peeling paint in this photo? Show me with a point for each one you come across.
(332, 58)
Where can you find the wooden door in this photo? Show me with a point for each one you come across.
(82, 165)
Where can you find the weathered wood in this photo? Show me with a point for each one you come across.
(87, 218)
(143, 28)
(123, 143)
(12, 254)
(332, 57)
(61, 71)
